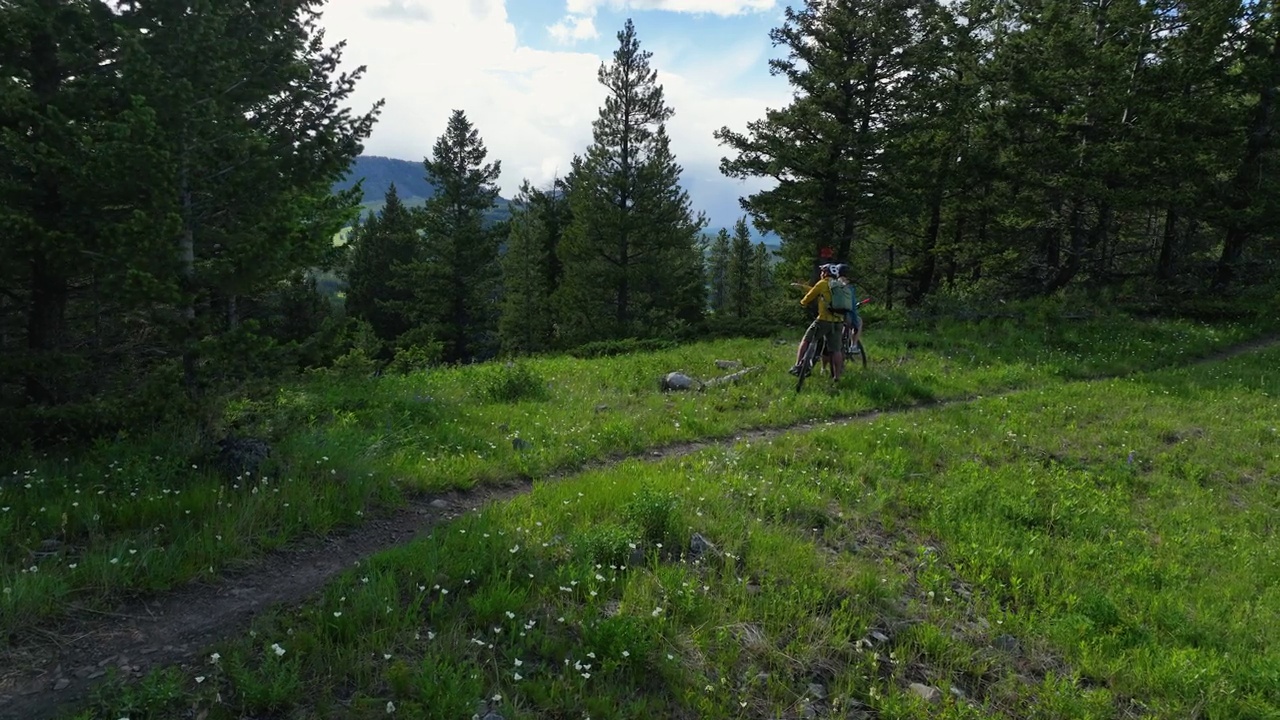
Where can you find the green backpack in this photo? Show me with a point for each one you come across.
(841, 296)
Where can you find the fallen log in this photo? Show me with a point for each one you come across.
(734, 377)
(682, 382)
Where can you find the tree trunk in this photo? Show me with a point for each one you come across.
(956, 238)
(888, 288)
(928, 265)
(46, 330)
(847, 232)
(187, 265)
(1247, 177)
(1098, 238)
(1075, 252)
(49, 286)
(1164, 266)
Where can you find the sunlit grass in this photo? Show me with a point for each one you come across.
(1081, 550)
(147, 512)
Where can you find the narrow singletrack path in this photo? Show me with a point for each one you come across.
(43, 678)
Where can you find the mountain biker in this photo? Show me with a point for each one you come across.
(829, 324)
(853, 321)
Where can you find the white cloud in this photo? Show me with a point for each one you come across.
(573, 28)
(715, 7)
(533, 108)
(581, 7)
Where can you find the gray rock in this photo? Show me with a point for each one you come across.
(239, 456)
(1007, 643)
(807, 712)
(856, 709)
(491, 715)
(601, 407)
(62, 684)
(926, 692)
(699, 546)
(678, 381)
(520, 444)
(637, 556)
(879, 636)
(817, 691)
(440, 504)
(728, 364)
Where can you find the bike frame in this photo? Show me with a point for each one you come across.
(818, 347)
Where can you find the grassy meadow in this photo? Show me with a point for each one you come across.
(1050, 548)
(1076, 550)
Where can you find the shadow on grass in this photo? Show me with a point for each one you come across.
(892, 387)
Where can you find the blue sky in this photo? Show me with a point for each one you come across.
(524, 71)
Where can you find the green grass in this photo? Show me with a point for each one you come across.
(114, 520)
(1081, 550)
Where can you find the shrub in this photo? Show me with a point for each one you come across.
(604, 545)
(509, 382)
(355, 364)
(416, 357)
(654, 515)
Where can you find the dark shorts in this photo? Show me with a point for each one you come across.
(829, 330)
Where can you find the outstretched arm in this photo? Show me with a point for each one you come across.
(811, 294)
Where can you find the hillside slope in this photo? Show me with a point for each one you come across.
(379, 173)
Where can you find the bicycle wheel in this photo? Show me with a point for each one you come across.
(862, 350)
(807, 361)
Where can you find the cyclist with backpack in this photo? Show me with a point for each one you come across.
(829, 324)
(844, 296)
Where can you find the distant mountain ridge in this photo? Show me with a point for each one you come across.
(409, 177)
(379, 173)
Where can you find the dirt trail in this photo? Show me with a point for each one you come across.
(40, 680)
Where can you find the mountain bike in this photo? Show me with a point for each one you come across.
(818, 348)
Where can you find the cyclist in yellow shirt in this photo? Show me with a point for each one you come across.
(829, 324)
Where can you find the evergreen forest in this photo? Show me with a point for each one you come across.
(173, 174)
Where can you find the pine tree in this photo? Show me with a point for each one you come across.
(455, 279)
(741, 281)
(252, 104)
(1065, 126)
(161, 162)
(378, 248)
(527, 324)
(938, 164)
(1250, 196)
(718, 272)
(847, 61)
(76, 209)
(768, 300)
(632, 254)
